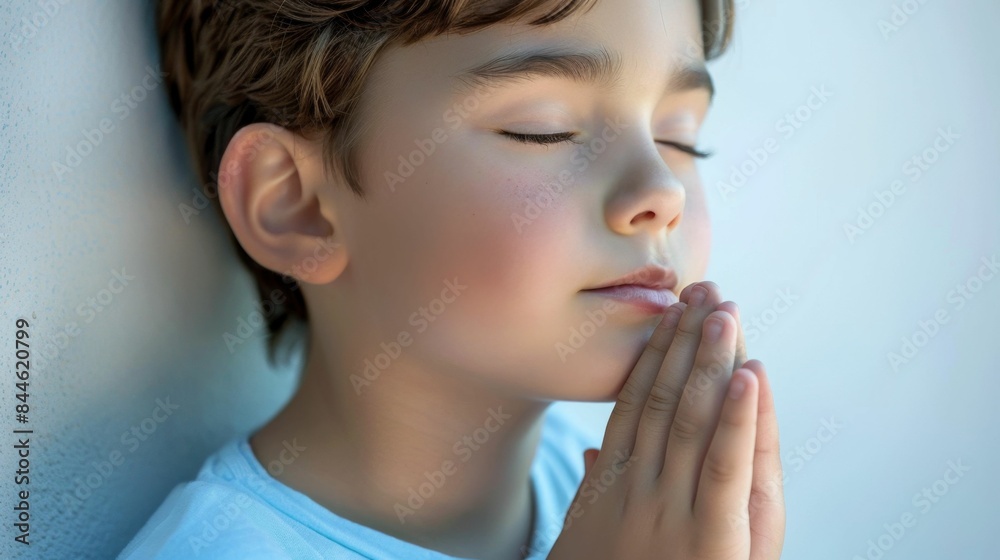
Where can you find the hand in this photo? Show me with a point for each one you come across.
(684, 472)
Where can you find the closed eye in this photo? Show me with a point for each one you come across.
(560, 137)
(687, 149)
(554, 138)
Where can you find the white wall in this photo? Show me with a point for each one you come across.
(856, 298)
(64, 234)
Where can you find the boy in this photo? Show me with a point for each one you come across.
(477, 208)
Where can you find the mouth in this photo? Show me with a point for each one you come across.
(649, 289)
(650, 300)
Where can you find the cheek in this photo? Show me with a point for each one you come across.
(506, 244)
(513, 249)
(693, 242)
(472, 221)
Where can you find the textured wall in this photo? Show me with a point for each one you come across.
(153, 337)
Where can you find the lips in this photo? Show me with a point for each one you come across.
(646, 299)
(649, 289)
(649, 276)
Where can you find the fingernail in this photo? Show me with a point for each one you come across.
(698, 295)
(672, 315)
(713, 329)
(736, 312)
(738, 384)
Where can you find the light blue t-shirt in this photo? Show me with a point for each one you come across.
(236, 510)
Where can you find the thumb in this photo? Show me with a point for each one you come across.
(589, 458)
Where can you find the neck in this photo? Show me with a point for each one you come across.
(436, 460)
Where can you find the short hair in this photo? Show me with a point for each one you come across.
(301, 65)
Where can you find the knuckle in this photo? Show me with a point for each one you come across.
(688, 332)
(762, 497)
(663, 397)
(620, 413)
(718, 470)
(629, 400)
(684, 430)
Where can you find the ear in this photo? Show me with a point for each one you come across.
(274, 204)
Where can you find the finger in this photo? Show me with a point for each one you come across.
(685, 293)
(665, 392)
(723, 493)
(741, 346)
(698, 413)
(767, 496)
(589, 458)
(624, 419)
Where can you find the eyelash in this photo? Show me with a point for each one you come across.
(556, 138)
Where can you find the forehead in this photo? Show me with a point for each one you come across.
(649, 39)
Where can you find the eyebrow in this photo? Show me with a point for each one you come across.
(601, 67)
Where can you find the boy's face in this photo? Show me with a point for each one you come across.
(480, 245)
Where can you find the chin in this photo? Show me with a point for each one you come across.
(592, 374)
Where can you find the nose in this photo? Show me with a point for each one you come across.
(647, 198)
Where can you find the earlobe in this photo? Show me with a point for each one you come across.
(274, 211)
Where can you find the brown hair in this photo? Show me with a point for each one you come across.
(300, 64)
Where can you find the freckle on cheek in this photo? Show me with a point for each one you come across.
(527, 186)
